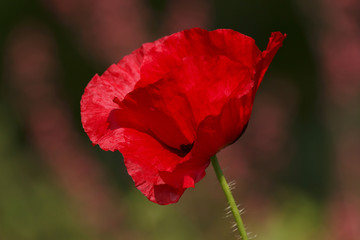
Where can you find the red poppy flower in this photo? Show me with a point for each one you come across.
(172, 104)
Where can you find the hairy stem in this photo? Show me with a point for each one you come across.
(229, 197)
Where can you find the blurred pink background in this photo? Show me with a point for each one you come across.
(296, 167)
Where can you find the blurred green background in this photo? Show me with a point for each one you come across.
(296, 168)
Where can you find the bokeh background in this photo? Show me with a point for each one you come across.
(296, 167)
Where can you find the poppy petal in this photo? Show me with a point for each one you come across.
(171, 109)
(275, 42)
(144, 157)
(207, 91)
(98, 99)
(166, 54)
(158, 111)
(213, 134)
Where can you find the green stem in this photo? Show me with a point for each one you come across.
(229, 197)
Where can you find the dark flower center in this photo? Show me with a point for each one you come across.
(186, 148)
(182, 152)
